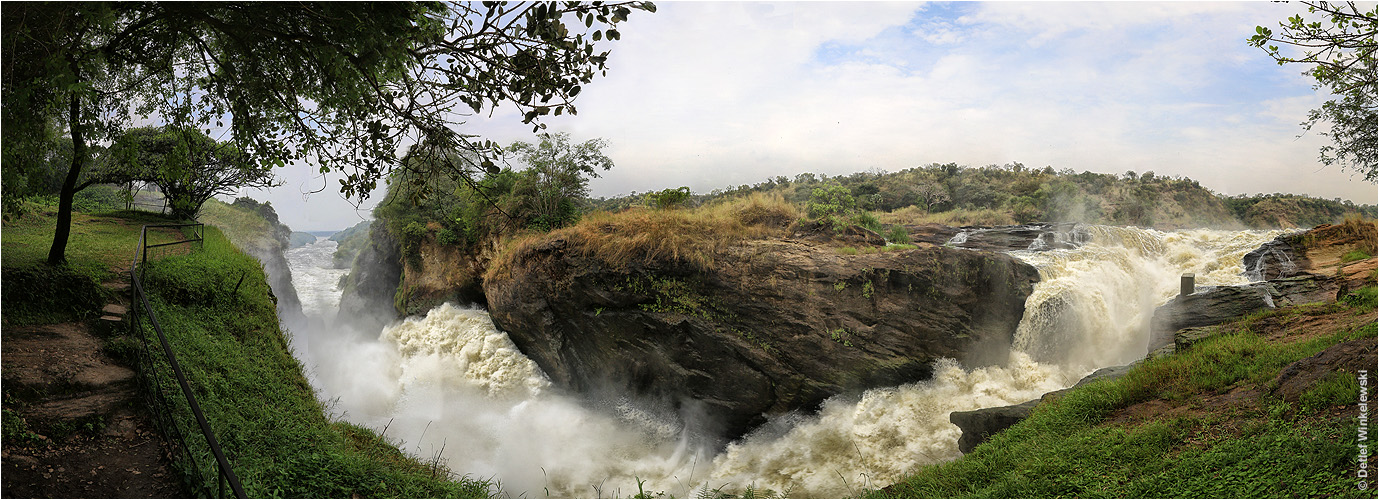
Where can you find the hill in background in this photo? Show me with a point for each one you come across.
(1011, 194)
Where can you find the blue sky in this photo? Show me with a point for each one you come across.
(712, 94)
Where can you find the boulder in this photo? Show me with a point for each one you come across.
(1185, 338)
(1276, 259)
(772, 326)
(1215, 305)
(979, 425)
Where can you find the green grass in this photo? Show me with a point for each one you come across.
(252, 390)
(263, 410)
(36, 293)
(1355, 255)
(242, 226)
(1274, 449)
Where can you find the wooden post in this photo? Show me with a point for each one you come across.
(1188, 284)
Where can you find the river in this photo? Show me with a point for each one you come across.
(451, 387)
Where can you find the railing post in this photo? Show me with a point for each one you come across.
(1188, 284)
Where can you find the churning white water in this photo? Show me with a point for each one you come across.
(452, 386)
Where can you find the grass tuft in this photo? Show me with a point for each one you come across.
(1362, 228)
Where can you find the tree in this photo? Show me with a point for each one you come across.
(1340, 50)
(557, 177)
(344, 85)
(188, 166)
(930, 193)
(669, 198)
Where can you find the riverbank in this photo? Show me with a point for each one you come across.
(1271, 406)
(278, 436)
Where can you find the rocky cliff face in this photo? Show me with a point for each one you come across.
(254, 228)
(771, 327)
(369, 288)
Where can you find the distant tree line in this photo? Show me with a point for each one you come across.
(1019, 194)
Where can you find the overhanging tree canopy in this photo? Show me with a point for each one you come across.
(1341, 52)
(346, 85)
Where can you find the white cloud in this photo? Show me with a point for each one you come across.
(716, 94)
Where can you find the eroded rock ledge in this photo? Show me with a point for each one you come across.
(772, 326)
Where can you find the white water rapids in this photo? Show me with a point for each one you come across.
(451, 385)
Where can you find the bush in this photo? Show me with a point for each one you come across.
(898, 234)
(1363, 298)
(669, 198)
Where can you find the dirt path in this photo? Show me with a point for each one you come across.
(84, 431)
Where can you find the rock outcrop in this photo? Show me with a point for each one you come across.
(1346, 359)
(440, 274)
(1299, 268)
(367, 292)
(1216, 305)
(772, 326)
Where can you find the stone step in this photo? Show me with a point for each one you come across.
(110, 326)
(115, 310)
(79, 407)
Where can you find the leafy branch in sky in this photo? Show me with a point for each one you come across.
(1340, 50)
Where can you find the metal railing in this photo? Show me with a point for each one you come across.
(164, 416)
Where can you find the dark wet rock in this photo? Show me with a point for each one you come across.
(787, 323)
(1215, 305)
(979, 425)
(368, 290)
(1276, 259)
(1041, 236)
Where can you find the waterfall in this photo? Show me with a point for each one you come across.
(451, 385)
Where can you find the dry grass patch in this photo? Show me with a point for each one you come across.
(955, 218)
(645, 235)
(1360, 228)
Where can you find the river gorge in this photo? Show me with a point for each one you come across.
(450, 386)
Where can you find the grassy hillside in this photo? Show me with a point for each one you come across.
(1209, 422)
(255, 395)
(101, 244)
(226, 335)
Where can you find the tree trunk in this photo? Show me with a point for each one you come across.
(58, 253)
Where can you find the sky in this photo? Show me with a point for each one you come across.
(716, 94)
